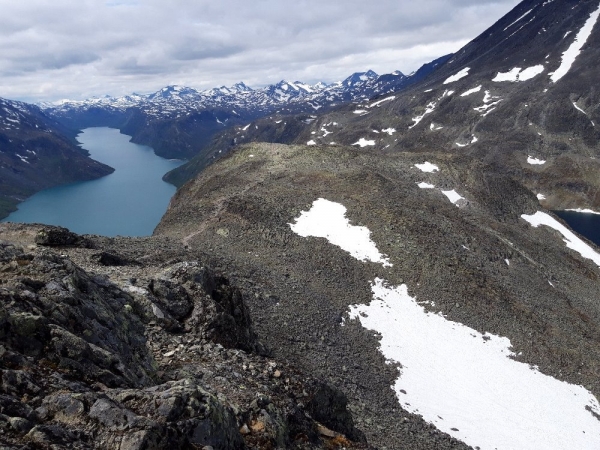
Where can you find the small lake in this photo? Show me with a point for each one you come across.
(128, 202)
(585, 224)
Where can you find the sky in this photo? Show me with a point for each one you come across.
(77, 49)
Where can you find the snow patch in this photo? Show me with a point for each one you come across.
(488, 105)
(516, 74)
(364, 142)
(535, 161)
(541, 197)
(328, 220)
(457, 76)
(360, 111)
(570, 238)
(466, 384)
(569, 56)
(389, 131)
(424, 185)
(524, 15)
(427, 167)
(584, 211)
(471, 91)
(430, 108)
(579, 109)
(311, 142)
(453, 196)
(377, 103)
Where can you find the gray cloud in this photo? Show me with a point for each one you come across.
(80, 48)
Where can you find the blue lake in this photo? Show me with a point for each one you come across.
(128, 202)
(585, 224)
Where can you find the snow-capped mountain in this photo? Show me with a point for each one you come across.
(157, 119)
(521, 96)
(172, 101)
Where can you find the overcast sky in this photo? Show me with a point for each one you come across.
(56, 49)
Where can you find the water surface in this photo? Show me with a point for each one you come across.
(128, 202)
(586, 224)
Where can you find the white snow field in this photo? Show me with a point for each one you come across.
(328, 220)
(364, 142)
(570, 238)
(430, 108)
(471, 91)
(535, 161)
(462, 381)
(457, 76)
(379, 102)
(516, 74)
(466, 384)
(424, 185)
(427, 167)
(585, 211)
(569, 56)
(452, 195)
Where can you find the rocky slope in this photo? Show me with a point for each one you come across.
(521, 97)
(472, 259)
(137, 344)
(36, 153)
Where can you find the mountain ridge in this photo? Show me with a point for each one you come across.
(188, 118)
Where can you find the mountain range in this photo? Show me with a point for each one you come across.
(178, 122)
(379, 268)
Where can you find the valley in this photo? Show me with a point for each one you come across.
(128, 202)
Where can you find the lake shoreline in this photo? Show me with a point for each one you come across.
(128, 202)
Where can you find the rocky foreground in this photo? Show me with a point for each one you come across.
(125, 344)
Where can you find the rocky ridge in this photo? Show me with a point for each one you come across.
(125, 343)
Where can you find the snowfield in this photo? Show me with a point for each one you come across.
(471, 91)
(467, 385)
(453, 196)
(535, 161)
(462, 381)
(584, 211)
(427, 167)
(457, 76)
(377, 103)
(516, 74)
(569, 56)
(570, 238)
(364, 142)
(328, 220)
